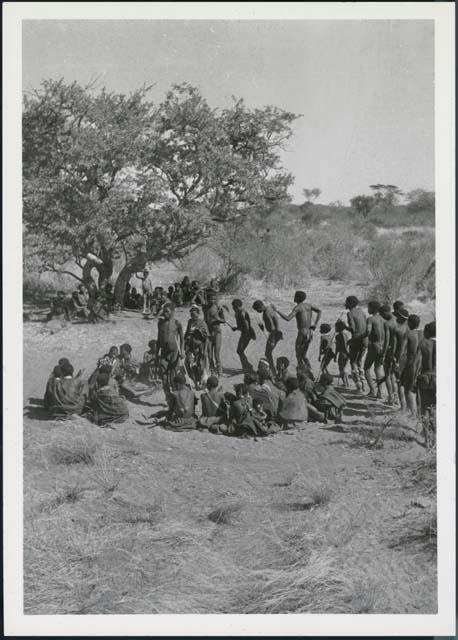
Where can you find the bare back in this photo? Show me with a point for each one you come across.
(303, 313)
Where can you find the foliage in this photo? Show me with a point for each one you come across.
(332, 250)
(311, 194)
(395, 265)
(421, 200)
(362, 205)
(115, 175)
(386, 194)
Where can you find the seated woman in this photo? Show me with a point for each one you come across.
(106, 402)
(247, 417)
(328, 400)
(294, 411)
(108, 363)
(65, 395)
(307, 387)
(265, 393)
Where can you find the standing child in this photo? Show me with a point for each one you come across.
(214, 317)
(342, 353)
(326, 354)
(196, 350)
(246, 333)
(169, 346)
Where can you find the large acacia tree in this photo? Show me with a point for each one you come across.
(115, 175)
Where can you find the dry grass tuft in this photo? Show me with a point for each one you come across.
(365, 596)
(224, 513)
(416, 530)
(105, 474)
(72, 450)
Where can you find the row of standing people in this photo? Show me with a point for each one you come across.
(383, 347)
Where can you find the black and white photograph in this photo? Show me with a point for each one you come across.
(229, 254)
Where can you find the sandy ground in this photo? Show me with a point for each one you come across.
(132, 527)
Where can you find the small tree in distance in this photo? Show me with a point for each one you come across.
(363, 205)
(311, 195)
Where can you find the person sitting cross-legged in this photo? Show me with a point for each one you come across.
(294, 411)
(108, 405)
(67, 396)
(182, 405)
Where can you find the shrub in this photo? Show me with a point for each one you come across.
(333, 252)
(35, 289)
(396, 265)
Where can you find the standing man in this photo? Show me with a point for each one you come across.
(377, 338)
(270, 324)
(388, 354)
(357, 325)
(243, 324)
(303, 313)
(399, 351)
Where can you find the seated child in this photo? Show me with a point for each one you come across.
(108, 405)
(326, 354)
(294, 409)
(265, 393)
(283, 372)
(243, 422)
(126, 367)
(329, 401)
(342, 353)
(182, 405)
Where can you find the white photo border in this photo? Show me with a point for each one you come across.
(18, 624)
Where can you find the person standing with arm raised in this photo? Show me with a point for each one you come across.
(302, 312)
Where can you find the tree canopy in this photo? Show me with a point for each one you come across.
(110, 175)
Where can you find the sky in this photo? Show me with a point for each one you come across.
(364, 88)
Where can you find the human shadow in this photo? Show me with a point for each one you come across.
(35, 410)
(230, 373)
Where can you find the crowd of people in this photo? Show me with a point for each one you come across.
(91, 304)
(381, 351)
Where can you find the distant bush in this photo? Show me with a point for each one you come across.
(333, 252)
(396, 265)
(36, 289)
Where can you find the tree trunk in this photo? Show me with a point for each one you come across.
(105, 270)
(134, 265)
(87, 275)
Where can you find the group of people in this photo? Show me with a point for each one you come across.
(86, 303)
(182, 293)
(380, 349)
